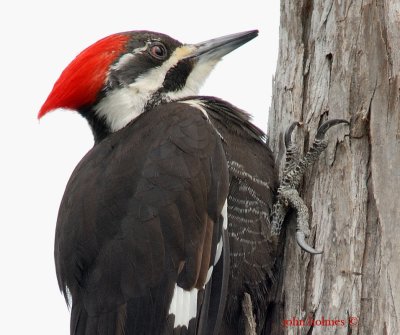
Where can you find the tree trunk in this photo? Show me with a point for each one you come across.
(341, 59)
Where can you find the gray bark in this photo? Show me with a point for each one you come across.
(341, 59)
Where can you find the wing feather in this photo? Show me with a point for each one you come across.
(253, 181)
(135, 222)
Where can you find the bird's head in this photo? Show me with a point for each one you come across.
(120, 76)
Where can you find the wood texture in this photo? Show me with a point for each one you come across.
(341, 59)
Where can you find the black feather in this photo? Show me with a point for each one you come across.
(132, 221)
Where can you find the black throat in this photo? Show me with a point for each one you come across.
(99, 127)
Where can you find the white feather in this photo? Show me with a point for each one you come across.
(122, 105)
(196, 104)
(194, 81)
(218, 252)
(193, 303)
(224, 214)
(209, 273)
(183, 306)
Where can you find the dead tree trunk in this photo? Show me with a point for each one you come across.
(341, 59)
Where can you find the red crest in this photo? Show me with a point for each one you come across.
(82, 80)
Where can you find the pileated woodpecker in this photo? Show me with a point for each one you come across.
(141, 245)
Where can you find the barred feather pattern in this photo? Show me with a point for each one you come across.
(253, 183)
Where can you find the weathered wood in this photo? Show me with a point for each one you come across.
(250, 325)
(341, 59)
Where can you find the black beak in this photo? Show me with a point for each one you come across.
(216, 48)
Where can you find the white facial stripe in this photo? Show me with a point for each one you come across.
(194, 81)
(122, 61)
(126, 58)
(122, 105)
(152, 80)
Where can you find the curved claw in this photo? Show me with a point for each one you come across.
(288, 133)
(301, 241)
(326, 125)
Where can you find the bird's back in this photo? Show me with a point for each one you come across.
(139, 225)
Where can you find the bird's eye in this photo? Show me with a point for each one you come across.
(158, 50)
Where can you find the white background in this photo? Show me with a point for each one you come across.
(38, 39)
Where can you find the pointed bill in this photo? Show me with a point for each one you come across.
(216, 48)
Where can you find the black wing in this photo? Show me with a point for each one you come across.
(254, 180)
(139, 226)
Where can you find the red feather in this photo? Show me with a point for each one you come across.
(82, 80)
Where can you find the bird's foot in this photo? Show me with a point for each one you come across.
(294, 169)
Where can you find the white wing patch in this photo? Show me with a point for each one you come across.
(209, 273)
(184, 303)
(218, 252)
(224, 214)
(183, 306)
